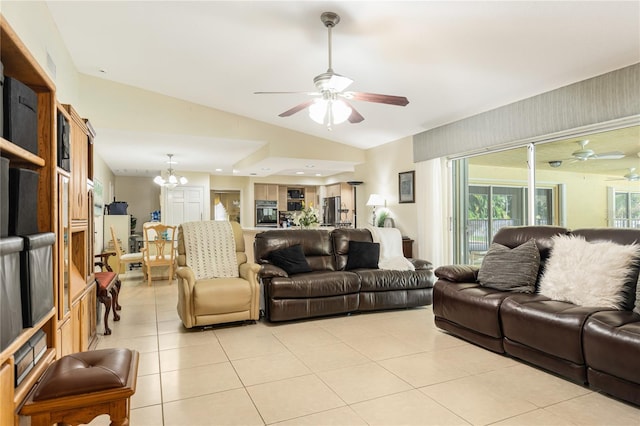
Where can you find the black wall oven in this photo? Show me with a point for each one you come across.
(266, 214)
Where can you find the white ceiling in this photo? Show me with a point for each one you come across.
(451, 59)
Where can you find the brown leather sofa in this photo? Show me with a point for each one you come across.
(590, 345)
(329, 288)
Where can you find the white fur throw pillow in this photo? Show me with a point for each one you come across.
(588, 273)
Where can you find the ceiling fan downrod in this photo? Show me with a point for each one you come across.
(330, 20)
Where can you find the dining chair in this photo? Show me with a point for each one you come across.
(159, 248)
(124, 259)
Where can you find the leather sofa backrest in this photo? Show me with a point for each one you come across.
(513, 236)
(341, 238)
(622, 236)
(316, 245)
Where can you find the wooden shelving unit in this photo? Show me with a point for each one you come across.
(20, 64)
(64, 331)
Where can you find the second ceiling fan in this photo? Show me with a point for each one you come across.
(331, 105)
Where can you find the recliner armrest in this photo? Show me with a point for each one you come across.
(268, 270)
(458, 273)
(246, 270)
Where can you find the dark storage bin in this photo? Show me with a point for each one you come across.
(20, 115)
(10, 305)
(4, 197)
(64, 154)
(23, 202)
(38, 343)
(36, 277)
(117, 207)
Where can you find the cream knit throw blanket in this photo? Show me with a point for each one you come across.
(210, 249)
(391, 256)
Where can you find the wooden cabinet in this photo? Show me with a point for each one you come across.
(310, 196)
(407, 247)
(79, 139)
(21, 65)
(6, 394)
(265, 191)
(63, 208)
(83, 320)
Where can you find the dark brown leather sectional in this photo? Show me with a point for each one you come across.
(329, 288)
(599, 347)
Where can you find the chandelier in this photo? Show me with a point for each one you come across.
(171, 181)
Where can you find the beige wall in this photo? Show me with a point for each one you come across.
(141, 195)
(103, 175)
(380, 176)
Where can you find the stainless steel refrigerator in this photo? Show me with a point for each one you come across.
(332, 211)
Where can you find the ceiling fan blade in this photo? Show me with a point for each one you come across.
(296, 108)
(613, 155)
(288, 93)
(375, 97)
(355, 116)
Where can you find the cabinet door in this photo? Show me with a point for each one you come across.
(6, 394)
(79, 152)
(88, 318)
(272, 192)
(310, 196)
(76, 323)
(259, 191)
(66, 338)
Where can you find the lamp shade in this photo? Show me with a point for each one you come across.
(375, 200)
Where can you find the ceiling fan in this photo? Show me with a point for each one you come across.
(584, 154)
(331, 104)
(632, 176)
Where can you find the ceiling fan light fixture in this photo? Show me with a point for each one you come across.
(329, 112)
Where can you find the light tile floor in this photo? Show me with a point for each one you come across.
(383, 368)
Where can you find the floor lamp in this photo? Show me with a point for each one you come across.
(354, 184)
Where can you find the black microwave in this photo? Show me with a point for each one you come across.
(295, 194)
(294, 206)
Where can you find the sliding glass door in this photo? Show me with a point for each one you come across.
(578, 184)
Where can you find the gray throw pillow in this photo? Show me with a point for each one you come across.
(511, 269)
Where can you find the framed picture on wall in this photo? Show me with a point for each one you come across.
(406, 187)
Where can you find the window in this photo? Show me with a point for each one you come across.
(626, 209)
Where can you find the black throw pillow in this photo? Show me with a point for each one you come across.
(363, 255)
(291, 259)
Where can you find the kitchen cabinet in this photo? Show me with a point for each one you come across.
(265, 191)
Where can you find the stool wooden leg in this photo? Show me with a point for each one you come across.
(114, 303)
(118, 285)
(106, 301)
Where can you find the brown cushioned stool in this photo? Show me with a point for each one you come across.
(78, 387)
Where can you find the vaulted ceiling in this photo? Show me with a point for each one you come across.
(451, 60)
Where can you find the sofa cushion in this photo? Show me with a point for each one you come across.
(612, 344)
(591, 273)
(314, 284)
(363, 255)
(549, 326)
(511, 269)
(291, 259)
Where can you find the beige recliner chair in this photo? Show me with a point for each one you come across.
(206, 295)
